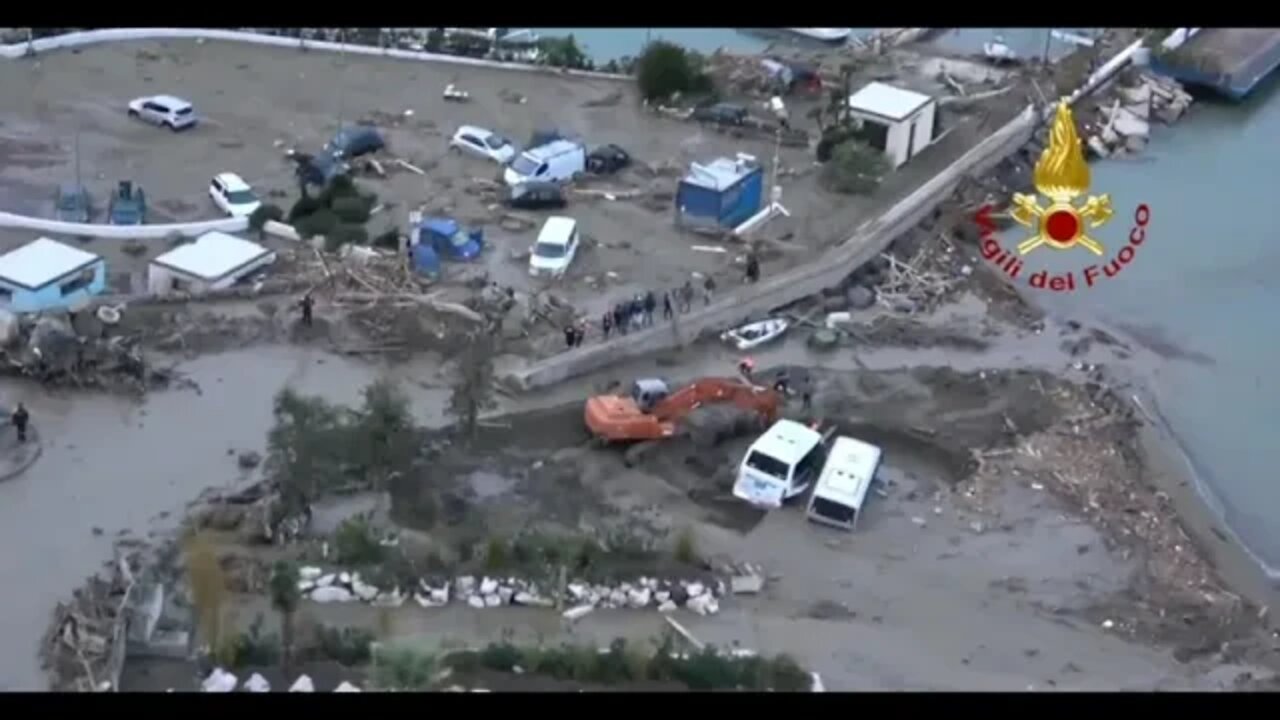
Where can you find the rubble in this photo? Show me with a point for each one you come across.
(491, 592)
(88, 355)
(84, 647)
(1125, 125)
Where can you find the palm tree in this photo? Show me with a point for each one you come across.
(285, 598)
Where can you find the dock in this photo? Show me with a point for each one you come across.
(1229, 61)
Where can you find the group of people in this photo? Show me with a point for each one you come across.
(781, 382)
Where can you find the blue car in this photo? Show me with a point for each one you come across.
(128, 205)
(449, 240)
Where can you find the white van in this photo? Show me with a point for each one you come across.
(780, 464)
(558, 161)
(555, 248)
(841, 492)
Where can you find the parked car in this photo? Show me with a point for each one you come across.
(559, 162)
(607, 159)
(354, 141)
(483, 143)
(128, 205)
(233, 195)
(721, 114)
(535, 195)
(449, 239)
(164, 110)
(71, 203)
(555, 248)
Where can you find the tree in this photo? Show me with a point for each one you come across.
(387, 434)
(563, 52)
(855, 168)
(261, 215)
(304, 449)
(664, 69)
(473, 386)
(208, 589)
(285, 598)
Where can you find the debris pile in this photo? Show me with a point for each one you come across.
(84, 649)
(1125, 126)
(86, 354)
(489, 592)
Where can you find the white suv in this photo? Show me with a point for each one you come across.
(233, 195)
(164, 110)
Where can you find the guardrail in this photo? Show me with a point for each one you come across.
(122, 232)
(93, 37)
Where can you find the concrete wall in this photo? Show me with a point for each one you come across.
(121, 232)
(50, 296)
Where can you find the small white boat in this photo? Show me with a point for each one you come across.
(997, 51)
(753, 335)
(453, 94)
(826, 35)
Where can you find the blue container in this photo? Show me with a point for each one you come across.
(722, 193)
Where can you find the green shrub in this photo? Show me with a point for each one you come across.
(496, 556)
(855, 168)
(304, 207)
(341, 186)
(664, 69)
(403, 669)
(321, 222)
(346, 646)
(501, 657)
(356, 544)
(345, 234)
(351, 209)
(686, 549)
(254, 647)
(263, 213)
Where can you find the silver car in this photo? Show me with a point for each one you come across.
(164, 110)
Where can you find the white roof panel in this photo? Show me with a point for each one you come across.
(212, 256)
(42, 261)
(787, 440)
(887, 100)
(849, 469)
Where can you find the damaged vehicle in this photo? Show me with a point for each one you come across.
(721, 114)
(607, 160)
(71, 203)
(128, 205)
(535, 195)
(354, 141)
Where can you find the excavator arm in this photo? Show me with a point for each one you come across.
(717, 390)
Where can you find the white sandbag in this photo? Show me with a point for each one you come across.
(302, 684)
(219, 681)
(257, 684)
(347, 687)
(330, 594)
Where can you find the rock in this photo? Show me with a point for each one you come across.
(440, 595)
(861, 298)
(346, 687)
(666, 606)
(330, 594)
(475, 601)
(639, 597)
(426, 601)
(679, 595)
(257, 684)
(1139, 95)
(249, 459)
(662, 595)
(1141, 111)
(302, 684)
(505, 594)
(617, 598)
(1135, 143)
(309, 572)
(703, 605)
(466, 584)
(219, 681)
(1170, 114)
(577, 591)
(344, 578)
(306, 586)
(1127, 125)
(363, 590)
(492, 600)
(326, 580)
(488, 586)
(576, 613)
(1110, 137)
(747, 584)
(529, 599)
(695, 589)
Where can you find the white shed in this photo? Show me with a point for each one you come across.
(897, 121)
(215, 261)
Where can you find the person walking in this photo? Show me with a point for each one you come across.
(570, 336)
(753, 267)
(619, 319)
(708, 289)
(747, 367)
(307, 304)
(667, 311)
(606, 324)
(580, 335)
(650, 304)
(20, 419)
(686, 296)
(806, 399)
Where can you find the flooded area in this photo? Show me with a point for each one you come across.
(112, 467)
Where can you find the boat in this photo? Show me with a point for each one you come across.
(753, 335)
(826, 35)
(997, 51)
(453, 94)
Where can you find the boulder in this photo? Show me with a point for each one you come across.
(488, 586)
(529, 599)
(576, 613)
(662, 596)
(1135, 143)
(346, 687)
(747, 584)
(492, 600)
(440, 595)
(577, 591)
(309, 572)
(505, 593)
(1142, 111)
(475, 601)
(392, 599)
(1128, 125)
(363, 590)
(257, 684)
(219, 681)
(466, 584)
(425, 601)
(303, 684)
(666, 606)
(639, 597)
(617, 598)
(703, 605)
(695, 589)
(326, 580)
(1139, 95)
(331, 594)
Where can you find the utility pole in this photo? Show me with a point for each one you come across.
(77, 153)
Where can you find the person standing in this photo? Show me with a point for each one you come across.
(753, 267)
(747, 367)
(606, 324)
(570, 336)
(307, 303)
(686, 296)
(619, 319)
(708, 289)
(20, 419)
(667, 311)
(650, 304)
(806, 398)
(581, 334)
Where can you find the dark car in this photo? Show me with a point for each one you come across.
(535, 195)
(721, 114)
(128, 205)
(355, 141)
(607, 159)
(71, 203)
(318, 170)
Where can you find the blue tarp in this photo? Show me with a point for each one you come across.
(724, 192)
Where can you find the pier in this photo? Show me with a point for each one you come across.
(1229, 61)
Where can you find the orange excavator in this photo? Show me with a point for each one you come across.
(652, 412)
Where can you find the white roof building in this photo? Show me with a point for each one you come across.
(41, 262)
(906, 117)
(213, 262)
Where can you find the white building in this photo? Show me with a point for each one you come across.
(45, 275)
(215, 261)
(896, 121)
